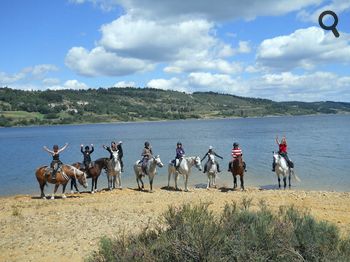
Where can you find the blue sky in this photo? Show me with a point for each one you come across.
(271, 49)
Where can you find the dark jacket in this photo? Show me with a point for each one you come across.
(86, 154)
(120, 151)
(179, 152)
(211, 152)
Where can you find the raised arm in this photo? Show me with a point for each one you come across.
(218, 155)
(48, 150)
(92, 148)
(277, 142)
(204, 156)
(81, 148)
(63, 148)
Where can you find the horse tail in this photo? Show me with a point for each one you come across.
(295, 176)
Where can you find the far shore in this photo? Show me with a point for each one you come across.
(174, 120)
(69, 229)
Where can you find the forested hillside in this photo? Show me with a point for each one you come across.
(18, 107)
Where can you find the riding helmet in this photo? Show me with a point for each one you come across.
(210, 147)
(87, 148)
(146, 144)
(235, 144)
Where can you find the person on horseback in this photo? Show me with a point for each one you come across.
(180, 152)
(211, 152)
(282, 151)
(236, 152)
(111, 149)
(146, 154)
(56, 162)
(120, 152)
(87, 156)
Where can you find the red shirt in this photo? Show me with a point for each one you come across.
(282, 148)
(236, 152)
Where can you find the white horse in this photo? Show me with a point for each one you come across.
(114, 172)
(212, 171)
(283, 170)
(151, 171)
(184, 169)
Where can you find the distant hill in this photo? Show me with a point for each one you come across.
(19, 108)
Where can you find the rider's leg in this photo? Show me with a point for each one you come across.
(273, 165)
(229, 166)
(205, 167)
(244, 166)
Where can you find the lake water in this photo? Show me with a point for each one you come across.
(318, 145)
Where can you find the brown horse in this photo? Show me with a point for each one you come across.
(237, 168)
(93, 172)
(62, 177)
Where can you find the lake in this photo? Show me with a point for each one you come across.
(318, 145)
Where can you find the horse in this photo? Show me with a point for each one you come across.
(237, 169)
(184, 169)
(151, 171)
(114, 171)
(93, 172)
(282, 169)
(62, 177)
(212, 171)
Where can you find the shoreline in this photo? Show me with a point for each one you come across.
(173, 120)
(34, 229)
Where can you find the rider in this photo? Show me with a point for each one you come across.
(56, 162)
(180, 152)
(146, 155)
(120, 153)
(211, 152)
(282, 151)
(86, 153)
(236, 152)
(111, 149)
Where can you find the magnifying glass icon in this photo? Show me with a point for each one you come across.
(332, 27)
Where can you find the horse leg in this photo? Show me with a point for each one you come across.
(92, 185)
(63, 190)
(54, 191)
(151, 183)
(289, 177)
(279, 182)
(242, 183)
(176, 177)
(120, 181)
(138, 184)
(186, 180)
(42, 185)
(234, 182)
(169, 176)
(96, 184)
(208, 184)
(285, 182)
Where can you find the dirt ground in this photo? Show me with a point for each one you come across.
(33, 229)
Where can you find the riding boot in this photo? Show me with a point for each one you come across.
(217, 164)
(205, 168)
(244, 166)
(273, 166)
(229, 167)
(122, 165)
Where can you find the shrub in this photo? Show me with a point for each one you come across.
(193, 233)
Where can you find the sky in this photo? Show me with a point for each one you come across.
(272, 49)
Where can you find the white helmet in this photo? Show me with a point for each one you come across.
(210, 147)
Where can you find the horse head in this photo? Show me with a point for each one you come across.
(158, 161)
(211, 158)
(81, 178)
(197, 162)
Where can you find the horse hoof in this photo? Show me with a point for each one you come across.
(64, 196)
(72, 192)
(92, 192)
(52, 198)
(44, 197)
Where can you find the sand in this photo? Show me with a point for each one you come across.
(33, 229)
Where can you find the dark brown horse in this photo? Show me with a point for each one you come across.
(93, 172)
(62, 177)
(237, 169)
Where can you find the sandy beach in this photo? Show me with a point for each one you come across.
(33, 229)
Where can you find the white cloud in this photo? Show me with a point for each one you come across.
(221, 10)
(305, 48)
(6, 79)
(100, 62)
(50, 81)
(125, 84)
(169, 84)
(337, 6)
